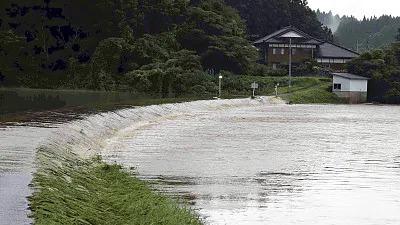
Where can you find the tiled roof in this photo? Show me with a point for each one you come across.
(329, 50)
(283, 31)
(326, 49)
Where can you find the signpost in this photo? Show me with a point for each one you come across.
(254, 85)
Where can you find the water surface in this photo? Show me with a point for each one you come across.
(273, 164)
(17, 151)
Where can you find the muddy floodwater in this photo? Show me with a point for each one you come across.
(273, 164)
(17, 150)
(235, 161)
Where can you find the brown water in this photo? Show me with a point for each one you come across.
(273, 164)
(17, 150)
(235, 161)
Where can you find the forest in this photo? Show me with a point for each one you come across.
(383, 67)
(160, 47)
(362, 35)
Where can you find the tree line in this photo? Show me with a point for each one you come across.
(362, 35)
(383, 67)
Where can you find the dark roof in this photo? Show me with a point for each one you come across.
(271, 37)
(326, 49)
(330, 50)
(350, 76)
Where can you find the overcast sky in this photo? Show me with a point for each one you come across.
(358, 8)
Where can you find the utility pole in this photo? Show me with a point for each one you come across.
(290, 66)
(358, 47)
(220, 86)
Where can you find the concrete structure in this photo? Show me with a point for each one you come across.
(351, 87)
(274, 49)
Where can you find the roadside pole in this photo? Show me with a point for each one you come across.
(254, 86)
(276, 90)
(290, 67)
(220, 86)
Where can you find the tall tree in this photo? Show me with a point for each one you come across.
(266, 16)
(367, 34)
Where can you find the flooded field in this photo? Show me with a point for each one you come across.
(235, 161)
(274, 164)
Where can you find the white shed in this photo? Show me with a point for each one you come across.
(352, 87)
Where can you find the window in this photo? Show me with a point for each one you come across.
(274, 51)
(293, 51)
(282, 51)
(337, 86)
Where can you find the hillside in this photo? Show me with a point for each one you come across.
(368, 33)
(267, 16)
(159, 47)
(164, 48)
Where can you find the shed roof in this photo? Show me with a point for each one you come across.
(350, 76)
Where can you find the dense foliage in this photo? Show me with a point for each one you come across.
(383, 67)
(150, 46)
(266, 16)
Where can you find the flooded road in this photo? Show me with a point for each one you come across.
(273, 164)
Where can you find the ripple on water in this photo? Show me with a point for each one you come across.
(274, 164)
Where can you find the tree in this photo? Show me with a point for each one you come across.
(398, 35)
(370, 33)
(266, 16)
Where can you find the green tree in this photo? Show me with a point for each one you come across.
(266, 16)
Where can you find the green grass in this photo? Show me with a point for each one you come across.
(304, 90)
(97, 193)
(317, 94)
(75, 191)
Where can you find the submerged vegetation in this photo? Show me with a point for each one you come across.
(80, 191)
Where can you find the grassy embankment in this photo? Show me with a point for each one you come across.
(305, 90)
(71, 191)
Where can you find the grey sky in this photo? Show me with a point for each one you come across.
(358, 8)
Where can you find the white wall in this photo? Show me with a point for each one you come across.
(340, 80)
(359, 85)
(351, 85)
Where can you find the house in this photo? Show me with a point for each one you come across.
(274, 49)
(351, 87)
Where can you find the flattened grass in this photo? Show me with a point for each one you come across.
(101, 194)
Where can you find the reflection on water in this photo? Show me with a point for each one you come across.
(274, 164)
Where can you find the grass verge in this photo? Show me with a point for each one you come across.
(75, 191)
(316, 92)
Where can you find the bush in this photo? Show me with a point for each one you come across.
(266, 71)
(198, 90)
